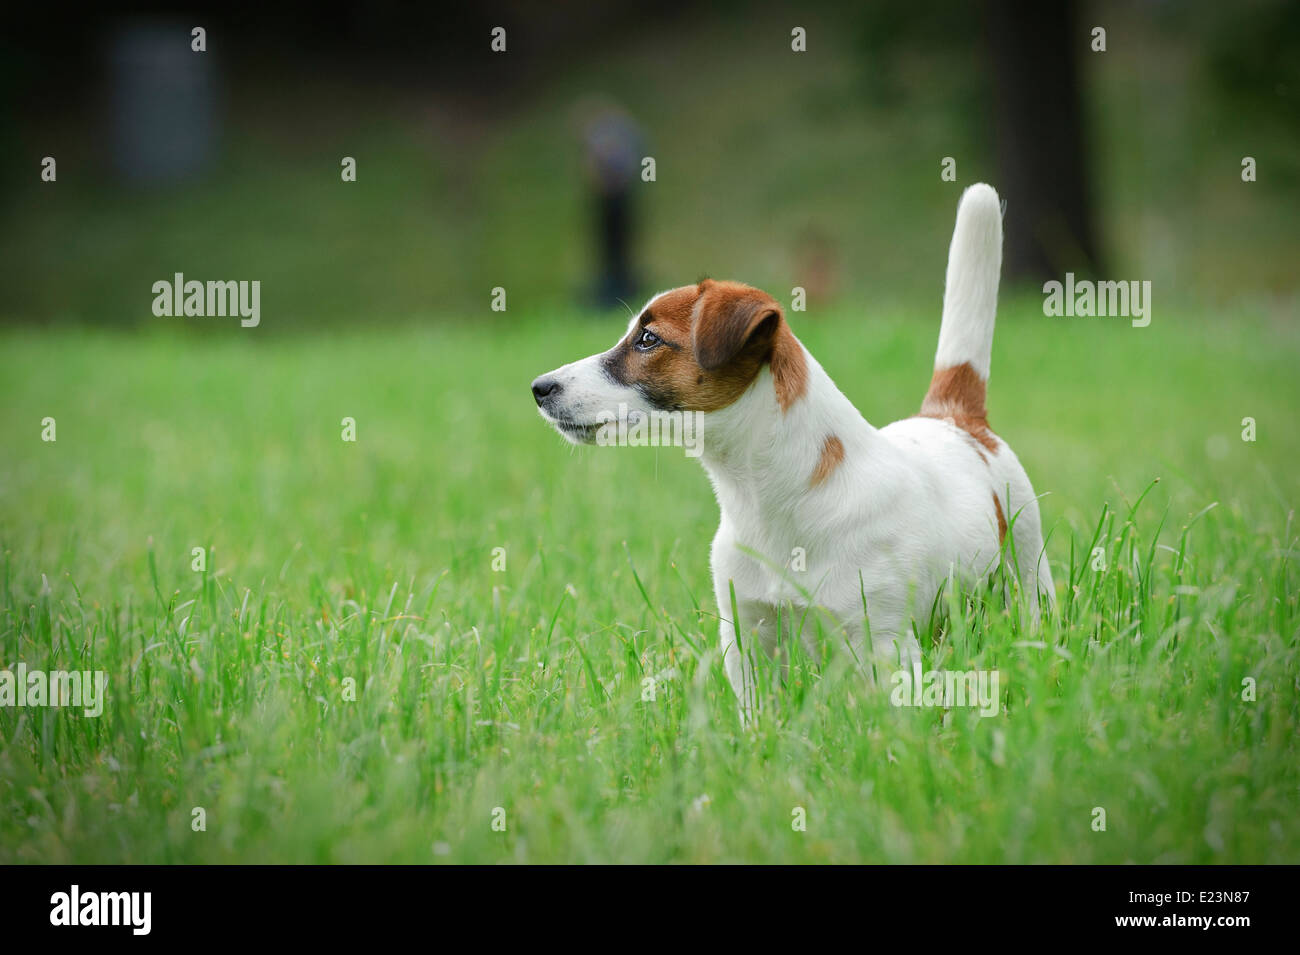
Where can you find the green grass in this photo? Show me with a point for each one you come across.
(522, 689)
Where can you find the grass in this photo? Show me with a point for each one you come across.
(522, 688)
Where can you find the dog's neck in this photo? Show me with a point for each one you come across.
(762, 458)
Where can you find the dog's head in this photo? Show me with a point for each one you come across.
(694, 348)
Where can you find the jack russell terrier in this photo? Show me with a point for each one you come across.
(884, 516)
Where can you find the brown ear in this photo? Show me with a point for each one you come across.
(733, 318)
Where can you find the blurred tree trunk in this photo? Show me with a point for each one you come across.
(1035, 49)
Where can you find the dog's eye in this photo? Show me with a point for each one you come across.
(647, 341)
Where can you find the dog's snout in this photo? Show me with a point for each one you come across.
(544, 387)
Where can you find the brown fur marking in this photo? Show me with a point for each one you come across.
(1002, 520)
(716, 338)
(958, 393)
(831, 456)
(789, 370)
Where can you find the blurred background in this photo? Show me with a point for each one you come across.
(526, 168)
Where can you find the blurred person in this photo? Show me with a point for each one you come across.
(612, 146)
(163, 102)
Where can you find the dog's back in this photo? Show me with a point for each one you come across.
(983, 484)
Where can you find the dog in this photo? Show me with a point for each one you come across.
(882, 518)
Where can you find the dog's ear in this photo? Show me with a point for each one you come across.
(733, 319)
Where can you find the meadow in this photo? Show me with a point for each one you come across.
(396, 642)
(431, 644)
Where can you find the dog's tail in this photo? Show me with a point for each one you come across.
(970, 301)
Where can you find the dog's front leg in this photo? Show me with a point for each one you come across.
(738, 662)
(759, 634)
(884, 646)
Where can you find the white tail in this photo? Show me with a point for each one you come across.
(970, 296)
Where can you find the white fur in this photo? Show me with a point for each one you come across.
(909, 507)
(970, 298)
(593, 395)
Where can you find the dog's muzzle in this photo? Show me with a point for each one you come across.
(544, 389)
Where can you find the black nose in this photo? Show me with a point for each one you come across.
(544, 387)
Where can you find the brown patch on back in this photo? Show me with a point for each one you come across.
(831, 456)
(1002, 520)
(717, 337)
(958, 393)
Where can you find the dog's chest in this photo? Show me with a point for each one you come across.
(788, 566)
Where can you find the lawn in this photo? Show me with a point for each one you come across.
(431, 644)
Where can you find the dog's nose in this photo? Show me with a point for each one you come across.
(543, 387)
